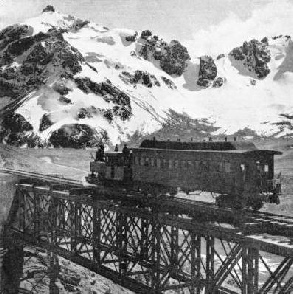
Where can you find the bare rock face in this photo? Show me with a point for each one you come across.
(218, 82)
(140, 77)
(14, 129)
(39, 56)
(170, 84)
(254, 55)
(74, 136)
(110, 93)
(207, 71)
(49, 8)
(172, 57)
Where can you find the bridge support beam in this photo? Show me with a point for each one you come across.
(250, 270)
(12, 268)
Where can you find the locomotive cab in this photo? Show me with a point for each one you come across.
(114, 167)
(117, 166)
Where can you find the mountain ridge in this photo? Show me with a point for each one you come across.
(62, 77)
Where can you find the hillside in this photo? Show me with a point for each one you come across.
(73, 83)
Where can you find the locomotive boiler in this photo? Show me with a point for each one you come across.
(236, 172)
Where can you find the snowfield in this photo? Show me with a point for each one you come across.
(242, 101)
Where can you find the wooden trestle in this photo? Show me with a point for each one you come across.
(146, 247)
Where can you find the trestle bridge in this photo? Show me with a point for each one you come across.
(153, 245)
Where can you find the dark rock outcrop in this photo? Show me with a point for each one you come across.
(64, 100)
(40, 56)
(15, 130)
(110, 93)
(49, 8)
(218, 82)
(74, 136)
(13, 33)
(85, 113)
(15, 123)
(220, 56)
(145, 34)
(255, 56)
(170, 84)
(131, 38)
(140, 77)
(207, 72)
(46, 122)
(172, 57)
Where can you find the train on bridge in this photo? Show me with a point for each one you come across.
(238, 174)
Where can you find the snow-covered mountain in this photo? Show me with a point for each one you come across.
(71, 82)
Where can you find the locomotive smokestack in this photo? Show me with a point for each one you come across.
(226, 139)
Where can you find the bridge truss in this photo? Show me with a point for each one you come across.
(148, 247)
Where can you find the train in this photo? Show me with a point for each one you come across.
(238, 175)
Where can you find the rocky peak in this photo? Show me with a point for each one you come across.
(49, 8)
(172, 57)
(254, 55)
(208, 72)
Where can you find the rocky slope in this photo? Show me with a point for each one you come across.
(70, 82)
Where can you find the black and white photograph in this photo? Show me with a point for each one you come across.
(146, 146)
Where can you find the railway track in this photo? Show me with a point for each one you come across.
(35, 177)
(250, 222)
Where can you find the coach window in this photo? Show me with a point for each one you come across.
(152, 161)
(136, 160)
(158, 162)
(227, 167)
(146, 161)
(183, 164)
(164, 163)
(266, 168)
(242, 167)
(142, 161)
(196, 164)
(190, 164)
(170, 163)
(176, 163)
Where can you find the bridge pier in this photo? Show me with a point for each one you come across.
(12, 268)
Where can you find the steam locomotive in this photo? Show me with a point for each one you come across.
(236, 172)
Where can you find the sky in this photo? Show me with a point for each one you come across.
(205, 26)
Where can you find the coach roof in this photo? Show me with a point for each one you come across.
(215, 145)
